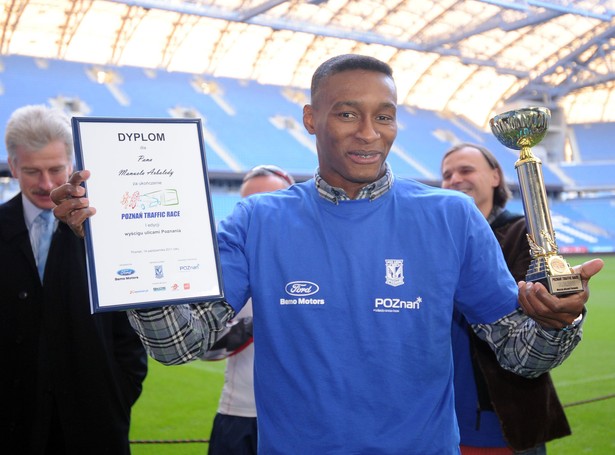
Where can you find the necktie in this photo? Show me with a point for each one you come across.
(43, 230)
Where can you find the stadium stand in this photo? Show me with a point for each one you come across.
(594, 166)
(246, 123)
(595, 141)
(597, 176)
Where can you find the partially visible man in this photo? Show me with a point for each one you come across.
(234, 431)
(498, 412)
(69, 378)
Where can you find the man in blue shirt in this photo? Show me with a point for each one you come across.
(353, 277)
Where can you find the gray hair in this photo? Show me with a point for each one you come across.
(35, 126)
(269, 169)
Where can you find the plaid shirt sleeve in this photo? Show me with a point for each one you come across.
(181, 333)
(524, 347)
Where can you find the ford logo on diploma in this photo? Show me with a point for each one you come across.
(125, 272)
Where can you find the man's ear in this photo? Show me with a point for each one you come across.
(12, 168)
(495, 178)
(308, 119)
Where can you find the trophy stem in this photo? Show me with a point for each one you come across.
(536, 207)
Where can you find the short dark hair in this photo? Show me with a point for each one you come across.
(501, 193)
(347, 62)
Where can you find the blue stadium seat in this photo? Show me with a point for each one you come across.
(596, 175)
(246, 124)
(595, 141)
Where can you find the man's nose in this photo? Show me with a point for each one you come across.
(368, 131)
(45, 181)
(455, 178)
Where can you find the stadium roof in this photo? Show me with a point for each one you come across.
(470, 58)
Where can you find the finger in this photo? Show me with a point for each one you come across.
(589, 268)
(531, 305)
(66, 192)
(68, 206)
(71, 189)
(79, 177)
(548, 310)
(76, 220)
(78, 217)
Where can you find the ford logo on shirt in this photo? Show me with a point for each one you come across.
(125, 272)
(301, 288)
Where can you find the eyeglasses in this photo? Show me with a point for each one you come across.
(269, 169)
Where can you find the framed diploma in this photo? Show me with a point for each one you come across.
(152, 241)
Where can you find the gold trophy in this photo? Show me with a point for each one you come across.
(520, 130)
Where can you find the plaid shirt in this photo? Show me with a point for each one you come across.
(372, 191)
(182, 333)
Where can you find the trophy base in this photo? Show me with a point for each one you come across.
(559, 284)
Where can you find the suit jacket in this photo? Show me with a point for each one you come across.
(66, 374)
(529, 410)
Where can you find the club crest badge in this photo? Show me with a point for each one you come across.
(394, 272)
(158, 272)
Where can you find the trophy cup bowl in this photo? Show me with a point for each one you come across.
(520, 130)
(523, 128)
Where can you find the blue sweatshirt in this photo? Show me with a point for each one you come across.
(352, 313)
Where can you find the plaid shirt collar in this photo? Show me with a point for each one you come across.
(371, 191)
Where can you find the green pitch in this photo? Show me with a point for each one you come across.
(586, 381)
(179, 402)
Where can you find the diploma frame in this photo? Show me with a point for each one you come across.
(152, 241)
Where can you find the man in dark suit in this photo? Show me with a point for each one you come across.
(68, 378)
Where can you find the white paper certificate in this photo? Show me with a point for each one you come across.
(152, 241)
